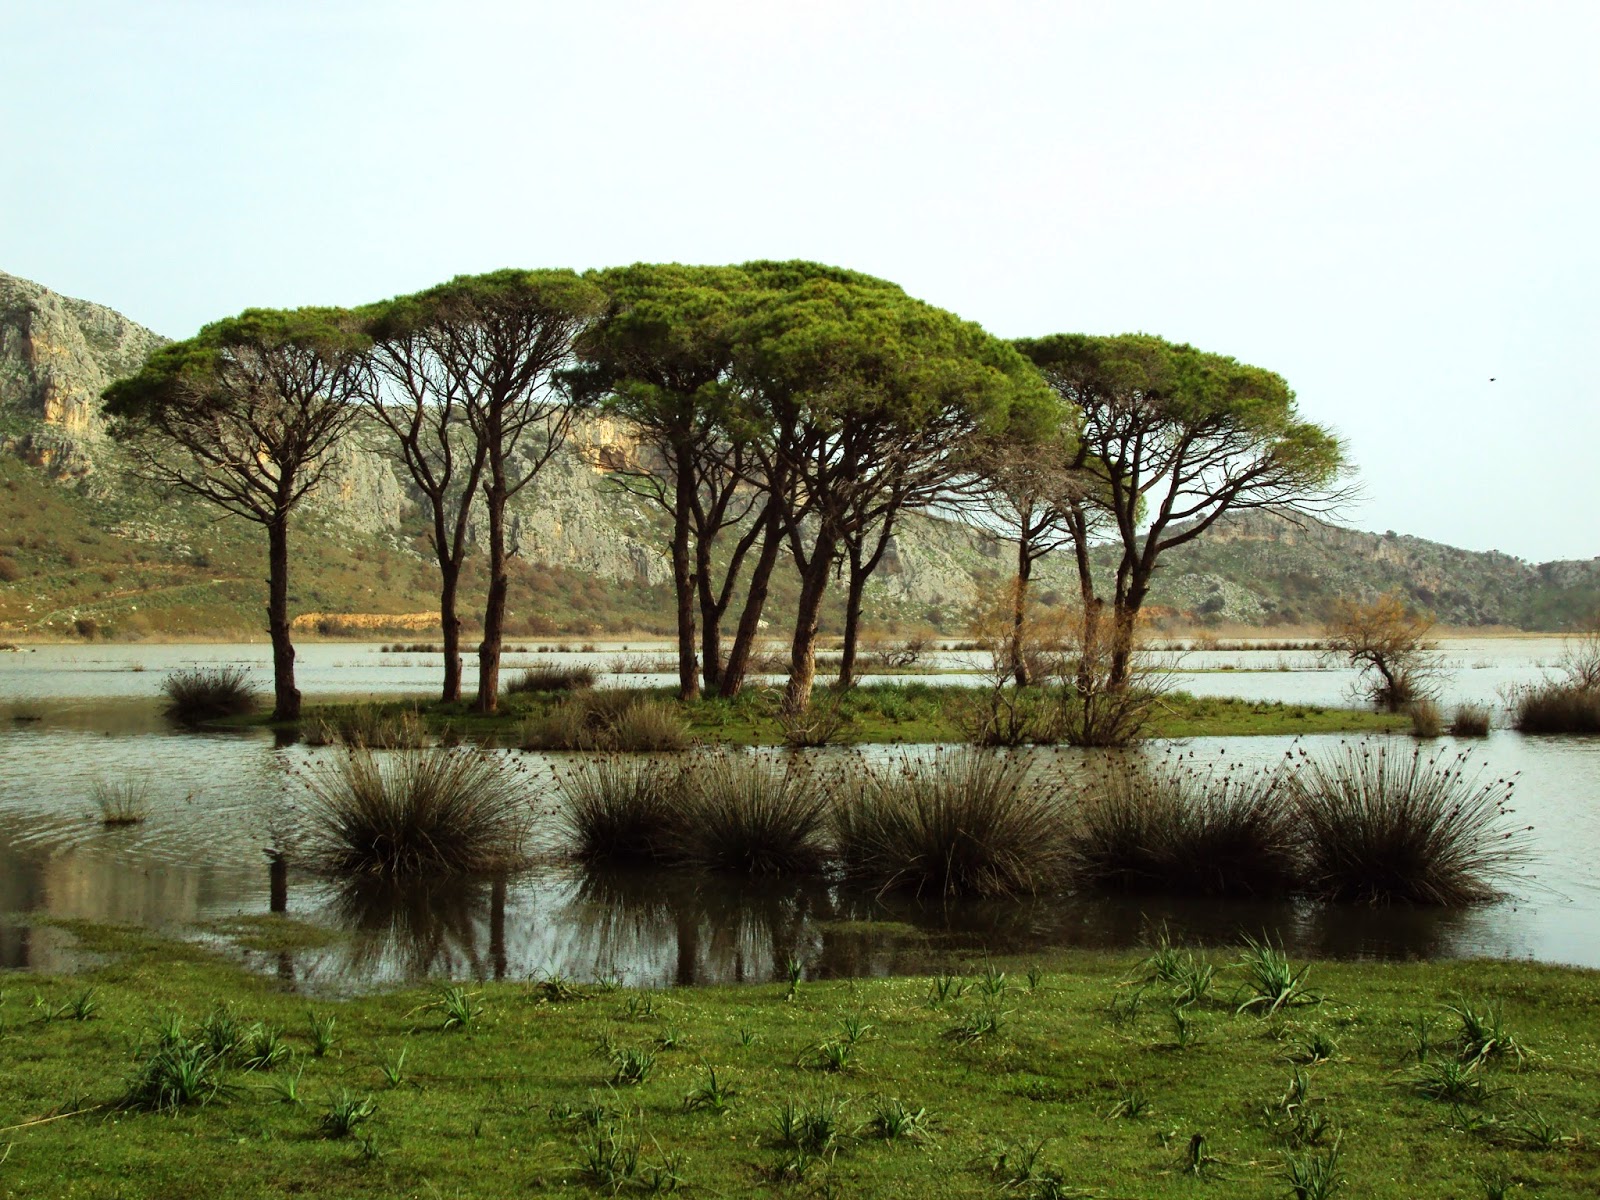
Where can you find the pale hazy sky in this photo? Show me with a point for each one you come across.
(1388, 204)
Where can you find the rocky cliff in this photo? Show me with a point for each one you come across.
(57, 355)
(89, 544)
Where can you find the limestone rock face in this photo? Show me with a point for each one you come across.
(56, 356)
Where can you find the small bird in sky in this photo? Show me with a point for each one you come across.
(1491, 379)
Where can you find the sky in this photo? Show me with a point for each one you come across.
(1392, 205)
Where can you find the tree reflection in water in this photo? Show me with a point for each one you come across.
(657, 928)
(421, 927)
(711, 928)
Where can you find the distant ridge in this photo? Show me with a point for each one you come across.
(86, 547)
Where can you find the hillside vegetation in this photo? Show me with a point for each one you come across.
(86, 550)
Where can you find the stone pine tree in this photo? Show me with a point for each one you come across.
(504, 342)
(244, 415)
(860, 402)
(1032, 494)
(1170, 439)
(659, 360)
(421, 406)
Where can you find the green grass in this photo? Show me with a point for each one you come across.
(1052, 1098)
(898, 713)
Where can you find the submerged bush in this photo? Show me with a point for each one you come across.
(121, 801)
(1380, 825)
(416, 812)
(602, 720)
(1168, 827)
(206, 693)
(546, 677)
(1426, 721)
(738, 812)
(1557, 707)
(968, 823)
(617, 810)
(1470, 720)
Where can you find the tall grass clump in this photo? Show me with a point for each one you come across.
(1556, 707)
(415, 812)
(738, 812)
(967, 823)
(369, 726)
(1380, 825)
(1171, 827)
(617, 810)
(121, 801)
(1426, 720)
(206, 693)
(547, 677)
(1470, 720)
(601, 720)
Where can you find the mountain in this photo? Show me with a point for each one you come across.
(86, 548)
(1264, 569)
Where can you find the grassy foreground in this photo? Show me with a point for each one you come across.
(1004, 1085)
(897, 713)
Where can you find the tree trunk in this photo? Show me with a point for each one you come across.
(710, 617)
(803, 650)
(733, 671)
(852, 623)
(450, 626)
(683, 584)
(494, 610)
(1090, 649)
(286, 697)
(1019, 615)
(1124, 617)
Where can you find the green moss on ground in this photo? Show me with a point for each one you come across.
(498, 1108)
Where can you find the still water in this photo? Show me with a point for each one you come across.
(219, 802)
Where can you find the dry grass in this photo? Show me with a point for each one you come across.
(206, 693)
(617, 809)
(749, 814)
(413, 813)
(1171, 827)
(968, 823)
(1380, 825)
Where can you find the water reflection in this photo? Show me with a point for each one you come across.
(444, 927)
(216, 800)
(710, 928)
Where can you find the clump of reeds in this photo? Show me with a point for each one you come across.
(415, 812)
(1557, 707)
(369, 726)
(738, 812)
(822, 723)
(1171, 827)
(617, 810)
(547, 677)
(970, 823)
(205, 693)
(121, 801)
(1470, 720)
(1380, 825)
(1426, 720)
(602, 720)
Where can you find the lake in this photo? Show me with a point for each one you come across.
(72, 715)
